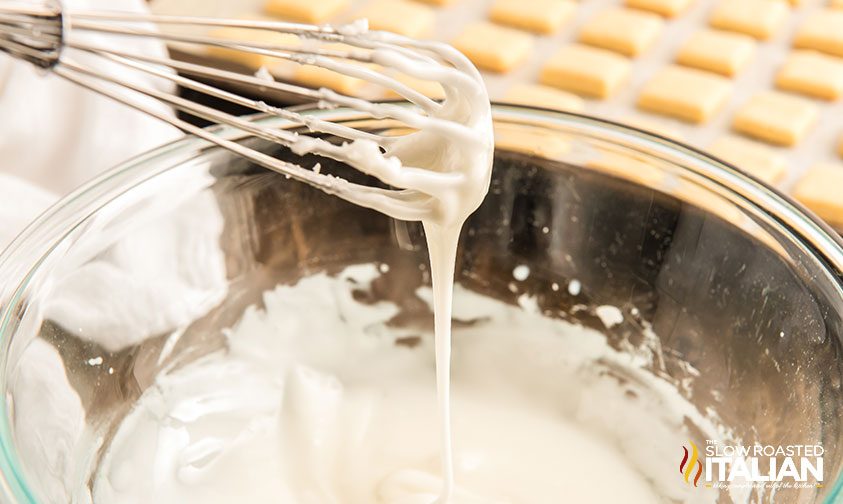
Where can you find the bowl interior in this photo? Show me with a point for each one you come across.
(721, 289)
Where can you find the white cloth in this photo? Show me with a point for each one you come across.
(58, 135)
(55, 136)
(166, 271)
(20, 203)
(49, 421)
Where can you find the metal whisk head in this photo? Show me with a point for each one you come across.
(42, 35)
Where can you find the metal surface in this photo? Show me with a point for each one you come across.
(32, 32)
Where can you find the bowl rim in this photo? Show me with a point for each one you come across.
(22, 257)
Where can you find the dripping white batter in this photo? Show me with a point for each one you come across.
(447, 162)
(450, 158)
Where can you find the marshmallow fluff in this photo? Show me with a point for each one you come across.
(444, 167)
(337, 408)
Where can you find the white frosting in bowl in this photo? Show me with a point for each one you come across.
(318, 399)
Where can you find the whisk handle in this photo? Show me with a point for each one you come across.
(32, 32)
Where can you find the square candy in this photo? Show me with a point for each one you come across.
(429, 88)
(757, 18)
(756, 159)
(543, 96)
(492, 47)
(685, 93)
(658, 127)
(531, 141)
(586, 70)
(717, 51)
(318, 77)
(538, 16)
(668, 8)
(247, 35)
(305, 11)
(400, 16)
(627, 31)
(819, 190)
(813, 74)
(822, 31)
(627, 166)
(776, 118)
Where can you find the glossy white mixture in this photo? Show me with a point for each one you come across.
(446, 167)
(329, 409)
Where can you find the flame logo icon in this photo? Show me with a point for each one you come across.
(686, 467)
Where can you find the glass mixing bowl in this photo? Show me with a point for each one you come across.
(140, 272)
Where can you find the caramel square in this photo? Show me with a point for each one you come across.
(813, 74)
(754, 158)
(822, 31)
(252, 60)
(776, 118)
(819, 190)
(537, 16)
(685, 93)
(758, 18)
(535, 95)
(627, 31)
(717, 51)
(408, 18)
(586, 70)
(667, 8)
(305, 11)
(493, 47)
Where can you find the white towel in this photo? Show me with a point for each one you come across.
(55, 136)
(58, 135)
(20, 203)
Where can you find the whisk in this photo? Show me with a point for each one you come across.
(41, 34)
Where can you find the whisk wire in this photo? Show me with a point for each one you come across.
(303, 55)
(31, 32)
(393, 200)
(38, 35)
(160, 19)
(272, 50)
(399, 113)
(161, 68)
